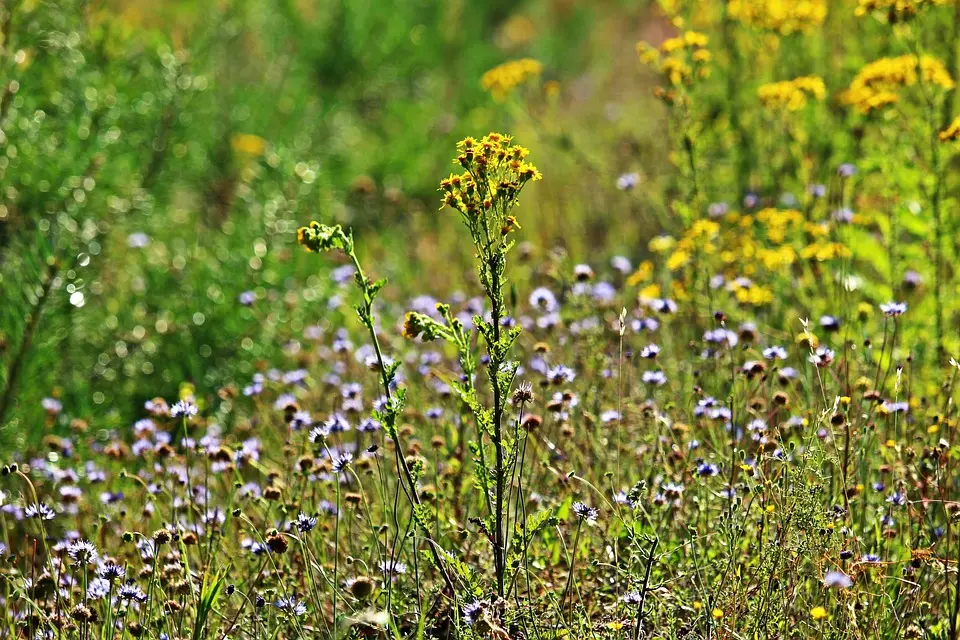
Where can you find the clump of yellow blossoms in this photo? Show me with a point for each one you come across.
(952, 132)
(494, 174)
(877, 84)
(681, 59)
(896, 10)
(783, 16)
(792, 95)
(504, 78)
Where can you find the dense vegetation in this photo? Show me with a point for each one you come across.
(676, 359)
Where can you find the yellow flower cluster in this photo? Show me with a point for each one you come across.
(783, 16)
(778, 222)
(680, 60)
(952, 132)
(504, 78)
(896, 10)
(877, 84)
(821, 251)
(792, 95)
(494, 174)
(248, 144)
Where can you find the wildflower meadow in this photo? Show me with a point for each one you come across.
(495, 320)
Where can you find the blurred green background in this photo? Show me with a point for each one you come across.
(157, 158)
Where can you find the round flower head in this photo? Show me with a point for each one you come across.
(290, 604)
(305, 523)
(184, 409)
(342, 461)
(82, 553)
(893, 309)
(837, 579)
(472, 611)
(590, 514)
(628, 181)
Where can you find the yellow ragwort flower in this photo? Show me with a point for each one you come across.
(791, 95)
(878, 83)
(783, 16)
(504, 78)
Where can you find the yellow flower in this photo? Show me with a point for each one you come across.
(896, 10)
(679, 59)
(783, 16)
(952, 132)
(503, 79)
(643, 272)
(248, 144)
(877, 84)
(649, 292)
(678, 259)
(818, 613)
(661, 244)
(717, 613)
(791, 95)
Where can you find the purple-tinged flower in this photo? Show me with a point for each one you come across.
(392, 568)
(621, 264)
(817, 190)
(718, 209)
(775, 353)
(829, 323)
(662, 305)
(51, 406)
(655, 378)
(472, 611)
(543, 299)
(822, 356)
(897, 499)
(893, 309)
(82, 553)
(132, 592)
(183, 408)
(837, 579)
(846, 170)
(584, 512)
(628, 181)
(707, 469)
(111, 572)
(305, 523)
(138, 240)
(650, 351)
(40, 510)
(290, 605)
(342, 461)
(247, 298)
